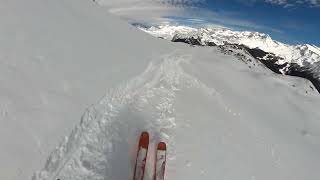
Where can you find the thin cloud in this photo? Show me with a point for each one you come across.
(278, 2)
(315, 3)
(284, 3)
(162, 11)
(222, 19)
(292, 3)
(181, 2)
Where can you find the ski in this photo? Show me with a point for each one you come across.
(141, 156)
(160, 161)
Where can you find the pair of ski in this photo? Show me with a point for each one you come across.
(160, 160)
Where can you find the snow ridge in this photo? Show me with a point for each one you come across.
(98, 147)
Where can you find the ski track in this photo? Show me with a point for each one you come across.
(103, 145)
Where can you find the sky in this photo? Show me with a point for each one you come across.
(289, 21)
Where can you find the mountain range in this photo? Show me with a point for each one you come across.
(295, 60)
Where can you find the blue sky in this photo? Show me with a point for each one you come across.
(289, 21)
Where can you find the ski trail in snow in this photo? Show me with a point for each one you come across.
(103, 145)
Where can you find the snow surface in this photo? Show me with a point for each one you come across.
(57, 58)
(220, 119)
(298, 54)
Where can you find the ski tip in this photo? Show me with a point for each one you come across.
(162, 146)
(144, 140)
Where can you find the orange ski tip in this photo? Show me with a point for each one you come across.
(162, 146)
(144, 140)
(144, 133)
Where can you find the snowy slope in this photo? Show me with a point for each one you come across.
(57, 58)
(298, 54)
(231, 129)
(221, 119)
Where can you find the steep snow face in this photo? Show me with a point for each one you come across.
(299, 54)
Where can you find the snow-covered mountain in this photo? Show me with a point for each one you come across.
(298, 54)
(298, 60)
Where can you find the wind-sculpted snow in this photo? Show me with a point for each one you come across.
(102, 146)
